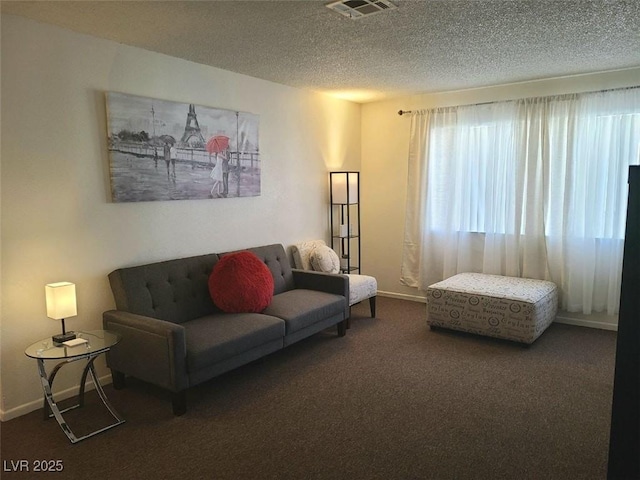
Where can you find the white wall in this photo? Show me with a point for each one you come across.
(57, 222)
(385, 148)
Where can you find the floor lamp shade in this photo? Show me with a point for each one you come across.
(344, 187)
(61, 300)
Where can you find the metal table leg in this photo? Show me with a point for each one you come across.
(51, 405)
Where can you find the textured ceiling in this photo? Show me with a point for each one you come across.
(422, 46)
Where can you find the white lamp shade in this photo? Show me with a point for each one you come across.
(339, 182)
(61, 300)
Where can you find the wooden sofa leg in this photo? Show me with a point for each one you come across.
(342, 328)
(179, 402)
(372, 304)
(118, 379)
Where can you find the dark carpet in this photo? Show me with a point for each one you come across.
(391, 400)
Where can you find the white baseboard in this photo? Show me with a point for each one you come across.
(403, 296)
(23, 409)
(586, 323)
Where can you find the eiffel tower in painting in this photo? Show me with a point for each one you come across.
(192, 136)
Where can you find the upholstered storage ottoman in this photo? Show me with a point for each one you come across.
(518, 309)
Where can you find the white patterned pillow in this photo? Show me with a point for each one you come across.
(302, 253)
(324, 259)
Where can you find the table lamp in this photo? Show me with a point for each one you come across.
(61, 304)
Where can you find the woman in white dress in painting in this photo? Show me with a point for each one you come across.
(216, 175)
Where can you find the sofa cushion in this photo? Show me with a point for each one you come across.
(275, 258)
(361, 287)
(300, 308)
(240, 282)
(324, 259)
(174, 290)
(218, 337)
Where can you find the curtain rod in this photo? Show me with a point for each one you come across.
(404, 112)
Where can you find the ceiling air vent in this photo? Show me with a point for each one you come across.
(355, 9)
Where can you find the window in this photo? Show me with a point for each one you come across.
(533, 187)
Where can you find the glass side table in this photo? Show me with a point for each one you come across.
(98, 342)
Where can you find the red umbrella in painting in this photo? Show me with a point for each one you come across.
(217, 144)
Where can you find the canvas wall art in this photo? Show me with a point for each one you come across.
(162, 150)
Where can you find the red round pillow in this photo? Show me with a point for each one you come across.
(240, 282)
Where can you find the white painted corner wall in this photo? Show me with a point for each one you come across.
(57, 221)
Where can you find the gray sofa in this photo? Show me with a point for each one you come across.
(175, 337)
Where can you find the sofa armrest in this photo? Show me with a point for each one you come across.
(152, 350)
(325, 282)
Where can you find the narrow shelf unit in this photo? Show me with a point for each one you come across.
(344, 188)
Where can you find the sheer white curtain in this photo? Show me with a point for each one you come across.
(531, 188)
